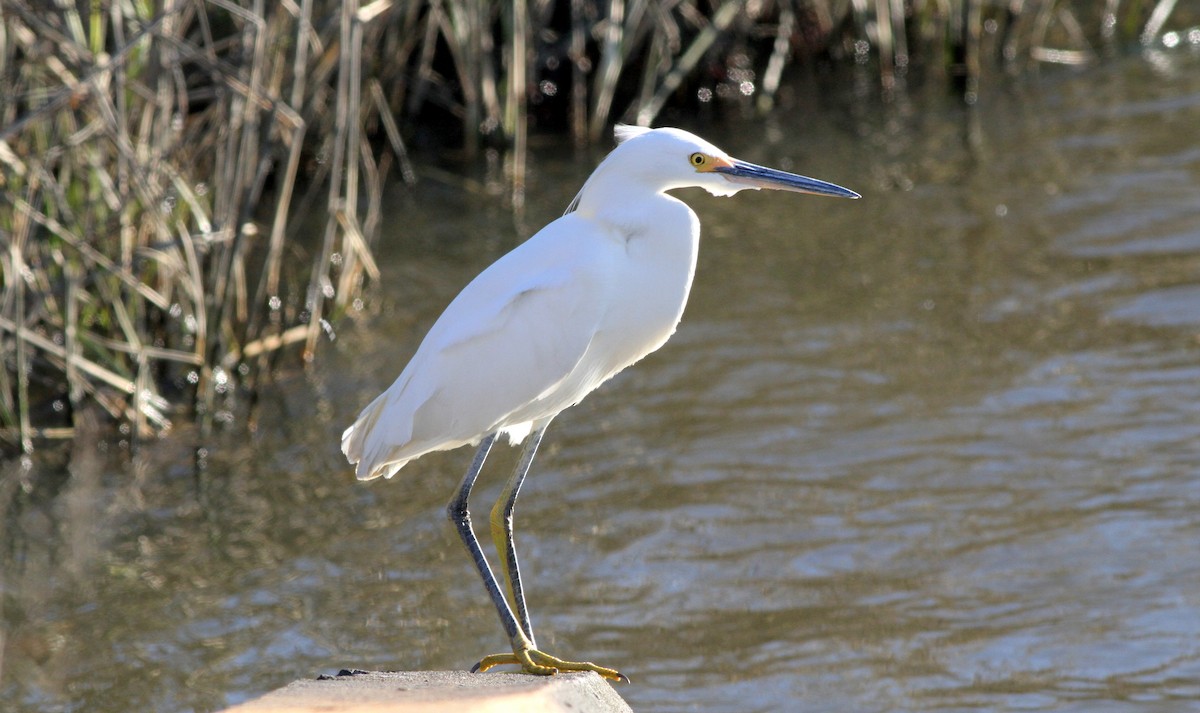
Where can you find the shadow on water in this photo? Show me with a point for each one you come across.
(937, 448)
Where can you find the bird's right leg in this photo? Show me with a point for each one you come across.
(461, 517)
(523, 651)
(502, 531)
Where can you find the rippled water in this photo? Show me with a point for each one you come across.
(935, 449)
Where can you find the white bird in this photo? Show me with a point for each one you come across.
(545, 325)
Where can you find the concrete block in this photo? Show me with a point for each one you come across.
(441, 692)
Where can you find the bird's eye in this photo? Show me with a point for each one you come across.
(698, 159)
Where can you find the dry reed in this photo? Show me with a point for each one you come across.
(150, 152)
(149, 158)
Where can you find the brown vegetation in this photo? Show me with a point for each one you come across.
(150, 153)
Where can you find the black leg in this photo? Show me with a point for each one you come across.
(524, 653)
(461, 517)
(502, 530)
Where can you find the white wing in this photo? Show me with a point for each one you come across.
(513, 334)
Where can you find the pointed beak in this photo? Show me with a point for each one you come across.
(752, 175)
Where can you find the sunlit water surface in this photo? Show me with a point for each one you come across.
(935, 449)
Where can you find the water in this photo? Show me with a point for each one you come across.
(935, 449)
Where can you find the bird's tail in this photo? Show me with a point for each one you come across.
(363, 451)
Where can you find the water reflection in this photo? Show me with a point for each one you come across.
(932, 449)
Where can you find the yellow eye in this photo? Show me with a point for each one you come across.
(698, 159)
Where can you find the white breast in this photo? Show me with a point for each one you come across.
(535, 333)
(649, 277)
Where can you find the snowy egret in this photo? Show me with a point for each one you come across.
(588, 295)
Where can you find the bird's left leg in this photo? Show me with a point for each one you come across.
(528, 657)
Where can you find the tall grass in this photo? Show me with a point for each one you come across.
(150, 156)
(151, 152)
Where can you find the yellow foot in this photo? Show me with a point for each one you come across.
(538, 663)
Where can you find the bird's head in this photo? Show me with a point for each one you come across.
(668, 158)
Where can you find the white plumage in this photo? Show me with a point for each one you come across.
(588, 295)
(585, 297)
